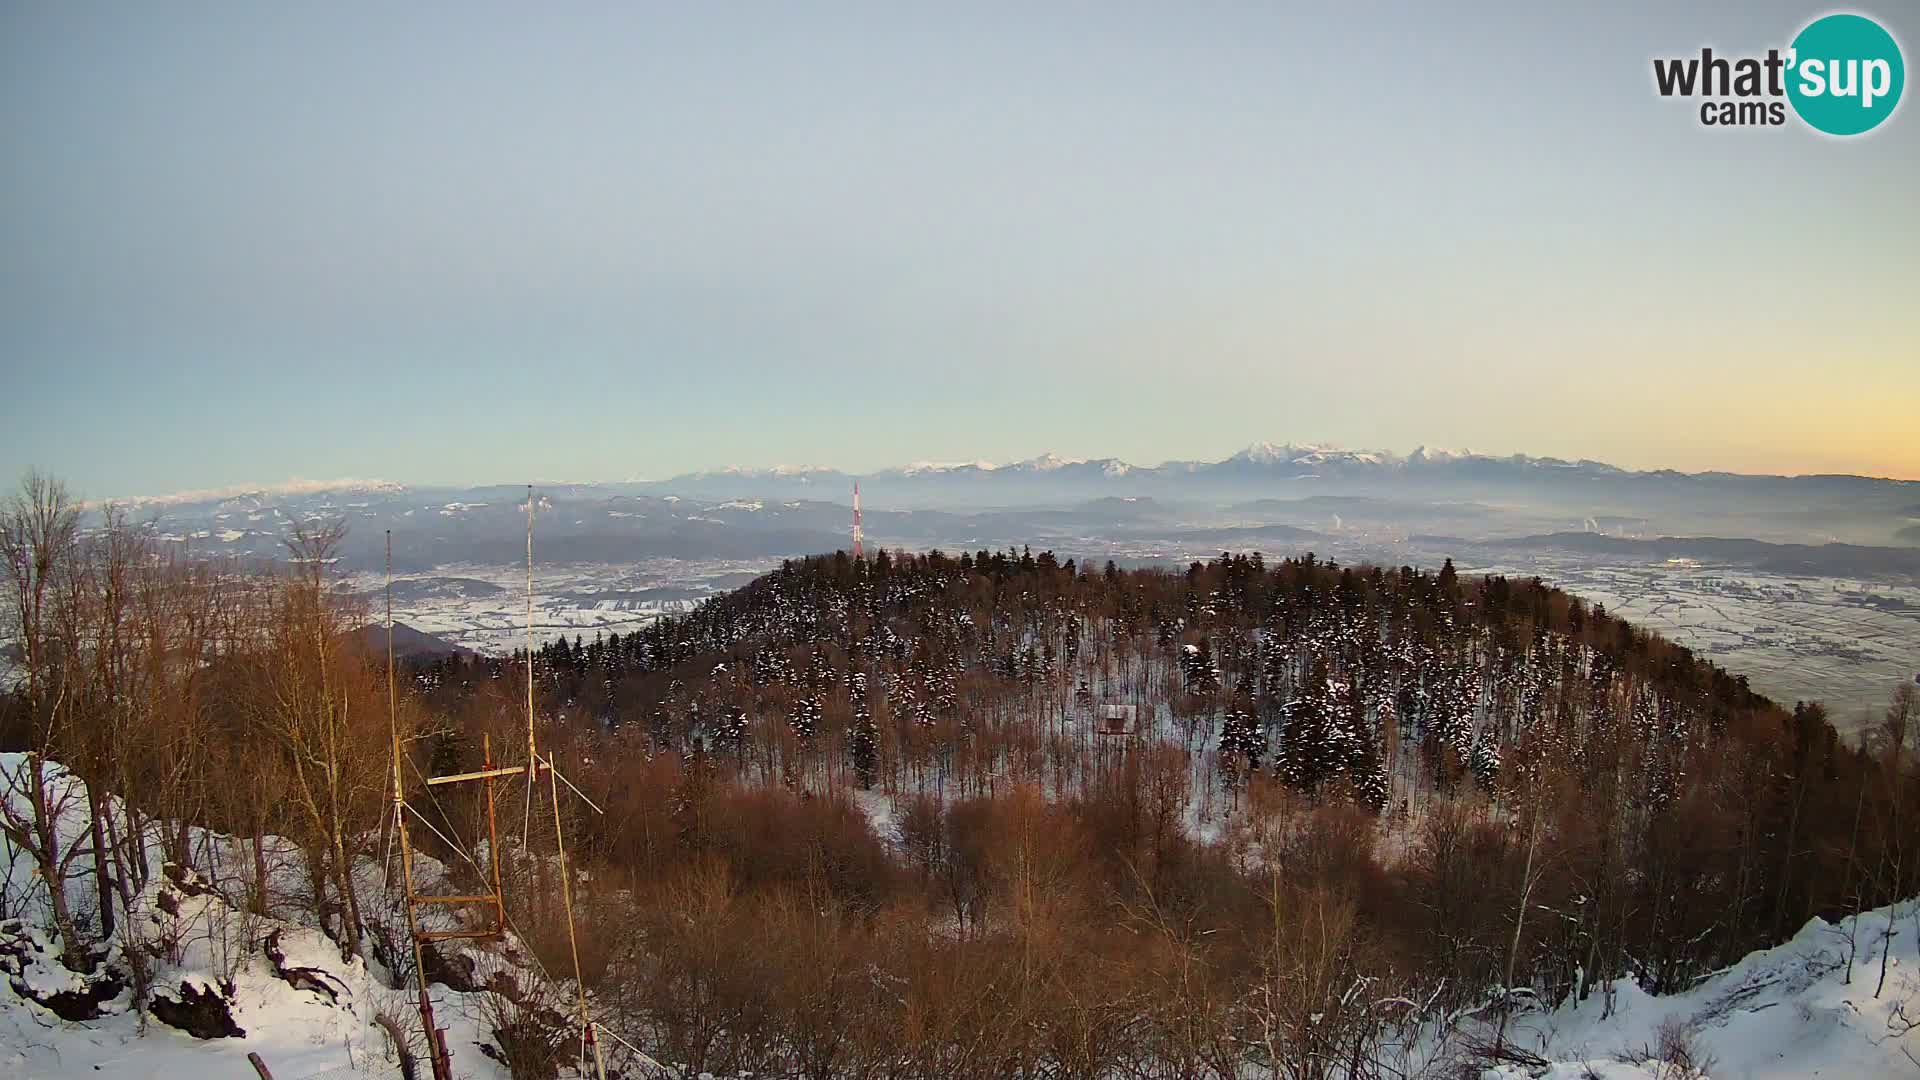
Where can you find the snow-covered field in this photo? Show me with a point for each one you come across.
(483, 607)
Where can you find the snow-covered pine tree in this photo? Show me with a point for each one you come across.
(863, 736)
(1366, 764)
(1484, 761)
(805, 720)
(732, 731)
(1243, 742)
(1197, 665)
(1308, 759)
(1342, 723)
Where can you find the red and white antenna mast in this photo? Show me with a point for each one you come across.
(858, 536)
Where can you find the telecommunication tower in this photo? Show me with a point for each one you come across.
(858, 536)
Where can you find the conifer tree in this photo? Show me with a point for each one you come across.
(1197, 665)
(1366, 765)
(1484, 761)
(863, 736)
(1309, 758)
(732, 731)
(805, 720)
(1243, 742)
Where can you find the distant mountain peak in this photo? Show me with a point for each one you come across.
(1266, 453)
(919, 467)
(1434, 455)
(1048, 462)
(294, 486)
(778, 470)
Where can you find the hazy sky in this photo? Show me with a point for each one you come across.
(471, 242)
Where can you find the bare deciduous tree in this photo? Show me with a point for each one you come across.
(38, 525)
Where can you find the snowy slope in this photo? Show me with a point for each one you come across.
(1778, 1014)
(299, 1033)
(198, 943)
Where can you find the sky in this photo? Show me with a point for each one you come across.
(473, 242)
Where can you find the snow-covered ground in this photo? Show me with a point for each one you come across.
(1778, 1014)
(297, 1032)
(326, 1021)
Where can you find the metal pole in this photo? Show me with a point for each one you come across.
(566, 899)
(442, 1068)
(493, 841)
(533, 755)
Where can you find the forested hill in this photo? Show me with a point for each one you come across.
(1672, 818)
(1315, 671)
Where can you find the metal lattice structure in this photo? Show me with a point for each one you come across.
(495, 928)
(859, 537)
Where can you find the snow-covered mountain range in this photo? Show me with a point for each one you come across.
(1260, 461)
(1281, 458)
(1262, 470)
(1077, 504)
(1293, 471)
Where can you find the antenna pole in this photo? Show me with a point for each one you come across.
(436, 1043)
(573, 941)
(493, 841)
(532, 755)
(436, 1049)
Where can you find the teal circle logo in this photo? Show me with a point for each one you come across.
(1845, 74)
